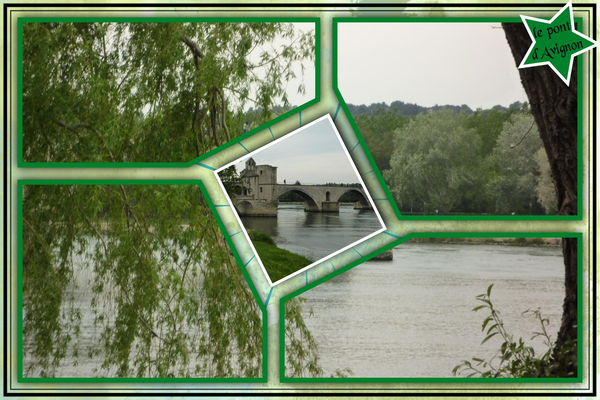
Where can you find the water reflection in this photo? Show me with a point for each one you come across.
(315, 235)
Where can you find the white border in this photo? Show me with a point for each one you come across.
(328, 118)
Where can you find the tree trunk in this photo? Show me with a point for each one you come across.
(554, 108)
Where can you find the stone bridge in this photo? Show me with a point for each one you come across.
(317, 198)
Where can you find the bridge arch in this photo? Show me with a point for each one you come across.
(363, 199)
(310, 201)
(244, 207)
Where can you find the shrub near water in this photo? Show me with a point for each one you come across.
(279, 263)
(514, 358)
(261, 237)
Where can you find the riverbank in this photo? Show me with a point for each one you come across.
(279, 263)
(520, 241)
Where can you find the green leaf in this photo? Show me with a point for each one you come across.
(485, 322)
(491, 327)
(489, 337)
(489, 290)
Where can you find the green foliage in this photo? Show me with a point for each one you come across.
(402, 108)
(150, 92)
(521, 241)
(279, 263)
(513, 187)
(167, 297)
(301, 348)
(378, 132)
(351, 197)
(488, 124)
(448, 159)
(231, 181)
(256, 236)
(291, 197)
(514, 358)
(545, 189)
(342, 373)
(436, 162)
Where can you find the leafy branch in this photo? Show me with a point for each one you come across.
(514, 358)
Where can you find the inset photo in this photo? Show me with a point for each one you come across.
(300, 200)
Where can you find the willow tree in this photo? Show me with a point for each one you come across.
(166, 296)
(118, 279)
(150, 92)
(554, 108)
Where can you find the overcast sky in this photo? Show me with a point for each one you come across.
(312, 156)
(427, 64)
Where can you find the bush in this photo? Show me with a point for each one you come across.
(261, 237)
(516, 360)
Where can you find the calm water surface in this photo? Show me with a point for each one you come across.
(411, 317)
(91, 332)
(315, 235)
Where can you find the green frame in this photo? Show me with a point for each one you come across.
(578, 379)
(377, 172)
(236, 255)
(239, 139)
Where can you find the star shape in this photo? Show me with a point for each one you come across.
(556, 43)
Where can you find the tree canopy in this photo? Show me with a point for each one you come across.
(513, 189)
(444, 161)
(435, 161)
(378, 131)
(150, 92)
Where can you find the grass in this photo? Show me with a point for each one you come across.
(261, 237)
(279, 263)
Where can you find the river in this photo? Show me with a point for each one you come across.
(315, 235)
(411, 317)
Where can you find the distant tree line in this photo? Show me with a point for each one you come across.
(411, 109)
(450, 159)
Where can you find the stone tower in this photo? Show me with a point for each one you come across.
(255, 177)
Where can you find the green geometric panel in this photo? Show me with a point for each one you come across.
(146, 92)
(131, 279)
